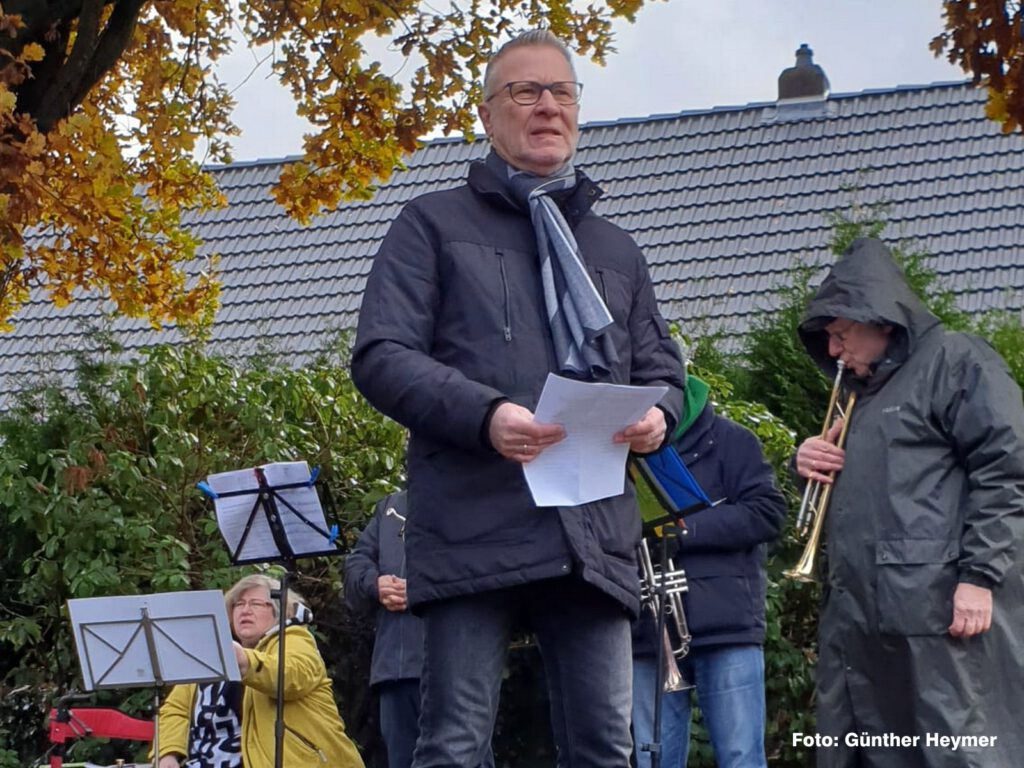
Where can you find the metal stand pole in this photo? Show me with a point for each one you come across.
(654, 746)
(282, 623)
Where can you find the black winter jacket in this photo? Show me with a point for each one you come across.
(452, 324)
(723, 547)
(380, 551)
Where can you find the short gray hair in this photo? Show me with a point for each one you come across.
(529, 37)
(259, 581)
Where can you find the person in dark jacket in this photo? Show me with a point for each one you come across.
(375, 585)
(722, 550)
(921, 633)
(477, 294)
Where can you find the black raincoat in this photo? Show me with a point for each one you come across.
(931, 494)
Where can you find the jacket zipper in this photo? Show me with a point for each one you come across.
(604, 288)
(504, 288)
(309, 744)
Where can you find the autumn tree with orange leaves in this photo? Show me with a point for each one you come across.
(986, 38)
(103, 104)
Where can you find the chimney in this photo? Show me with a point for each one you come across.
(805, 81)
(803, 92)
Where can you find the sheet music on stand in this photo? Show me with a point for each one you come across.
(135, 641)
(240, 504)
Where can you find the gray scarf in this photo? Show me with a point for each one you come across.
(577, 314)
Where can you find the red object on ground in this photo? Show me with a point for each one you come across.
(78, 722)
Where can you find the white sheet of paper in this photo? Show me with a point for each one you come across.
(233, 512)
(586, 465)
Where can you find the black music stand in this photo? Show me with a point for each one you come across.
(664, 531)
(284, 522)
(666, 494)
(153, 640)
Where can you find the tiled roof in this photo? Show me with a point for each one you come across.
(721, 201)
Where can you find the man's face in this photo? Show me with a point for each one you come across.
(539, 138)
(857, 344)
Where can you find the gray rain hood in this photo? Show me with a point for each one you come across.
(866, 285)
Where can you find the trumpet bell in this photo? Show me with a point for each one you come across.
(803, 571)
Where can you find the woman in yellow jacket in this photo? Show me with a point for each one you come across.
(231, 725)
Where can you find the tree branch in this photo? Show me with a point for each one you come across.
(112, 44)
(55, 101)
(39, 17)
(60, 84)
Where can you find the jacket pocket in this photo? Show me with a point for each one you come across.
(616, 292)
(723, 598)
(507, 306)
(488, 296)
(306, 747)
(916, 581)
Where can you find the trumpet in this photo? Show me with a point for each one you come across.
(652, 581)
(814, 504)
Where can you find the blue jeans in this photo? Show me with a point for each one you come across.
(584, 639)
(399, 719)
(730, 691)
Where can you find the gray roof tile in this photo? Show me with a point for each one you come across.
(723, 200)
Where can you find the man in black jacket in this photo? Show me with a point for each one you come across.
(722, 550)
(922, 629)
(476, 295)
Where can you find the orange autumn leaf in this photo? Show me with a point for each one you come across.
(97, 110)
(986, 38)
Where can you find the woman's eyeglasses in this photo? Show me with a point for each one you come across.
(254, 604)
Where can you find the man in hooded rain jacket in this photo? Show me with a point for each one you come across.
(921, 636)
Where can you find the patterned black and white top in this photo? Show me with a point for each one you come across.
(215, 739)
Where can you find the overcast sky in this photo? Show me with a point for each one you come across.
(683, 55)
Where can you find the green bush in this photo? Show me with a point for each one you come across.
(98, 493)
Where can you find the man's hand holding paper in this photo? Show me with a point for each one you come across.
(516, 435)
(647, 434)
(602, 422)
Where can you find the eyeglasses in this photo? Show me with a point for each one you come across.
(528, 93)
(254, 604)
(840, 337)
